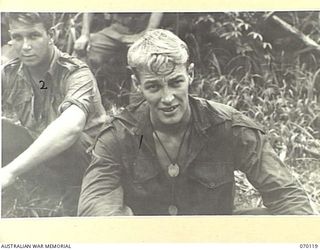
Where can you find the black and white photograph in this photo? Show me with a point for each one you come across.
(160, 113)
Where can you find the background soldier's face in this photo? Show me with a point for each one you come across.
(31, 42)
(167, 95)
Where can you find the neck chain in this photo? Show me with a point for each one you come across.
(173, 168)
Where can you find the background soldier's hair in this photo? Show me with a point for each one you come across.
(158, 51)
(31, 18)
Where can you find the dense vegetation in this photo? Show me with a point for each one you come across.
(264, 64)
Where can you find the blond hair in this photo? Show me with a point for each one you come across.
(157, 51)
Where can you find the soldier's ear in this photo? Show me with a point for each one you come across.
(53, 34)
(135, 82)
(191, 72)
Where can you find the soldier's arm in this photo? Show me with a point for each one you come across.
(280, 190)
(83, 40)
(102, 192)
(154, 20)
(153, 23)
(6, 89)
(56, 138)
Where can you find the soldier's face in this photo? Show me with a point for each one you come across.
(167, 95)
(31, 42)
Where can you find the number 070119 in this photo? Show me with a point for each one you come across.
(309, 246)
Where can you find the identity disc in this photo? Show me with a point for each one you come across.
(173, 170)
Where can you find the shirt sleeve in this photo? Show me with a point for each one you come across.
(79, 91)
(102, 193)
(3, 90)
(6, 107)
(281, 192)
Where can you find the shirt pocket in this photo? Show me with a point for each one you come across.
(141, 173)
(140, 168)
(22, 106)
(212, 174)
(19, 97)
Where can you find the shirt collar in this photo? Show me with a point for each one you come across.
(203, 115)
(53, 63)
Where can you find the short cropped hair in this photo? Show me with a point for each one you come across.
(157, 51)
(31, 18)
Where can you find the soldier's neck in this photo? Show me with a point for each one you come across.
(174, 129)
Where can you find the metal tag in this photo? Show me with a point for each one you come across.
(173, 170)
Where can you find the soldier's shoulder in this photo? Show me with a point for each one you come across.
(241, 120)
(217, 109)
(228, 113)
(70, 62)
(223, 110)
(11, 65)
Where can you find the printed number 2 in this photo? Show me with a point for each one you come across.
(43, 85)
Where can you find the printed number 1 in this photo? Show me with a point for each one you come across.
(43, 85)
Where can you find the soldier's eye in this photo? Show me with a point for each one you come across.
(16, 37)
(176, 82)
(34, 35)
(152, 87)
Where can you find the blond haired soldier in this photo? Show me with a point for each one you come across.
(173, 154)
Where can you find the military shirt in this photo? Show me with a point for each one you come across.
(67, 82)
(125, 176)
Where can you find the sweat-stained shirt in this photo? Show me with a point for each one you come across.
(68, 81)
(125, 176)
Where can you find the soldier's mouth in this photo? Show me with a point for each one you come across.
(169, 109)
(28, 56)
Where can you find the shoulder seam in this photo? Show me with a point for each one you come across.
(71, 63)
(12, 62)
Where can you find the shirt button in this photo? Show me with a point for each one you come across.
(212, 184)
(173, 210)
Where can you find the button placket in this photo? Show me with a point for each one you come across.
(172, 208)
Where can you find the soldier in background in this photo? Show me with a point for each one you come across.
(107, 50)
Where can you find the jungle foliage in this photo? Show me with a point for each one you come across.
(264, 64)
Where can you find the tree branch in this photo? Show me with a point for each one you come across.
(305, 39)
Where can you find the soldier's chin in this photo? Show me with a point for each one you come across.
(171, 120)
(30, 62)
